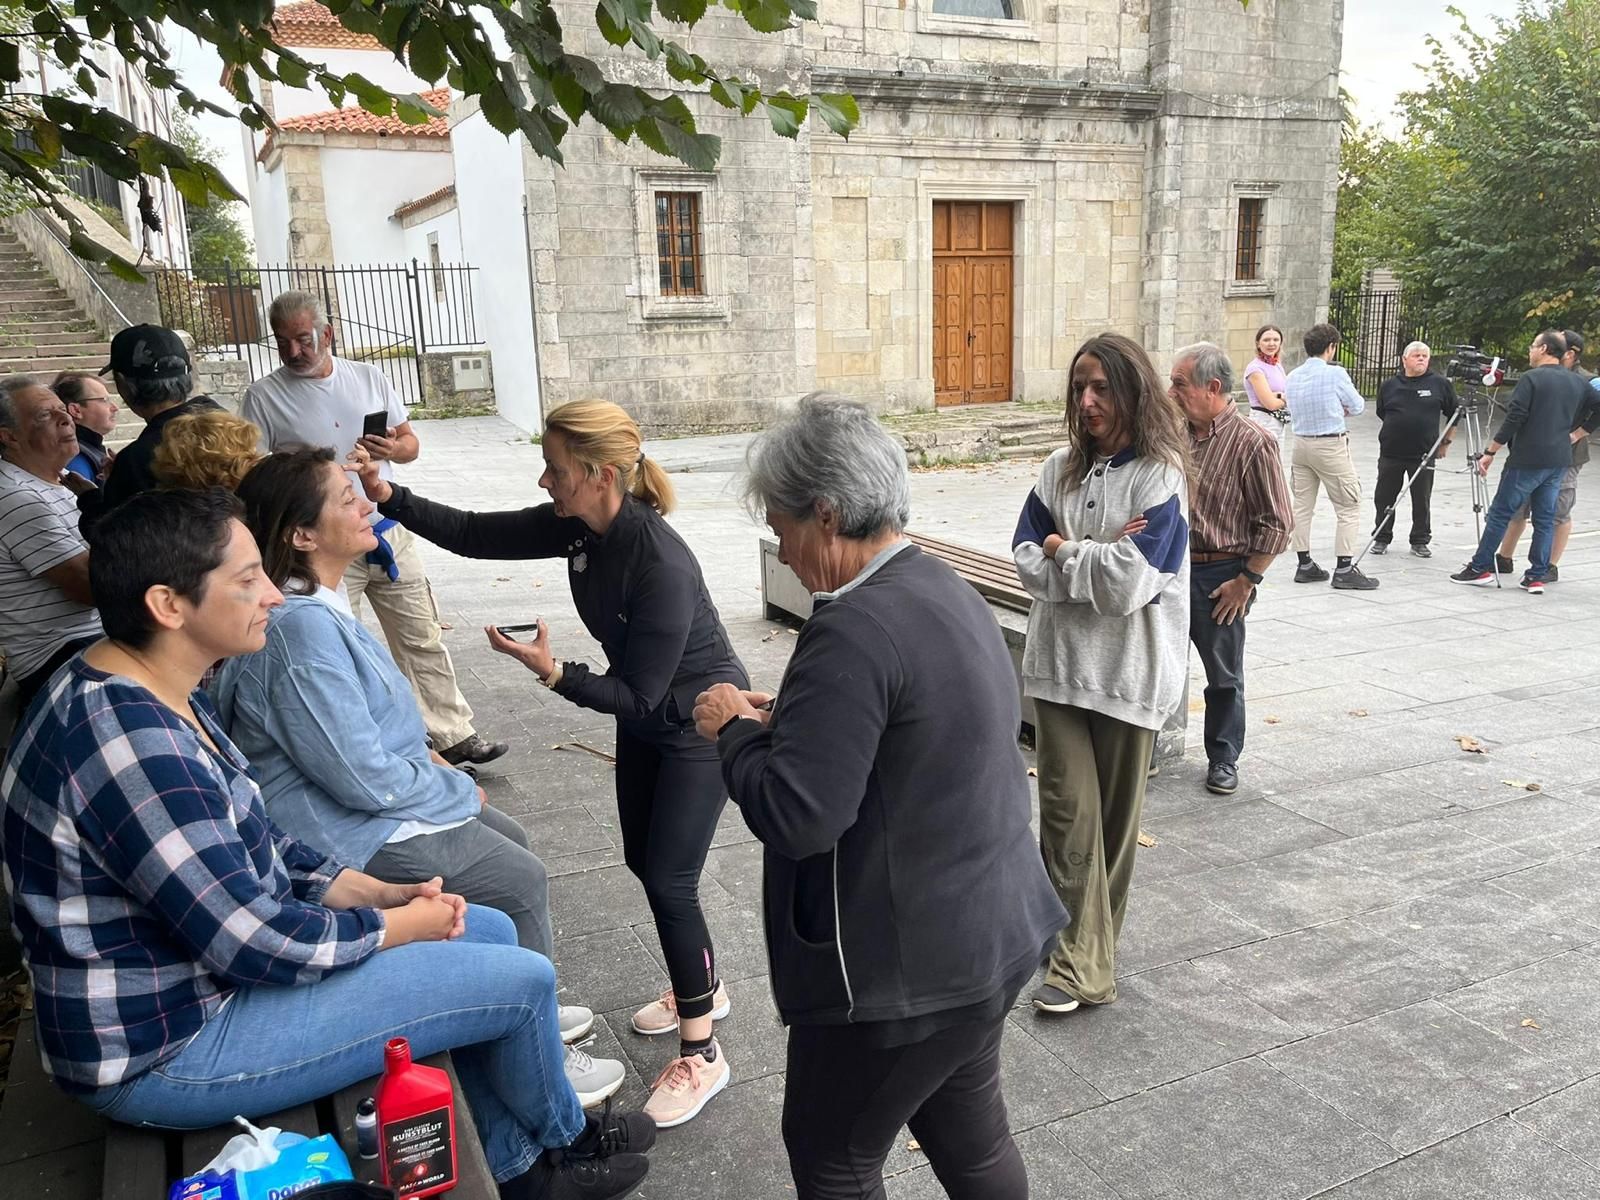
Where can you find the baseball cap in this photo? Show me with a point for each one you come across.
(148, 352)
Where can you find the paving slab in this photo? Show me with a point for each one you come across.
(1241, 1132)
(1551, 1007)
(1500, 1160)
(1570, 1118)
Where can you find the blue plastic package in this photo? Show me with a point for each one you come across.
(208, 1185)
(301, 1165)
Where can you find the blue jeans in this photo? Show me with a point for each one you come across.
(1539, 490)
(490, 1002)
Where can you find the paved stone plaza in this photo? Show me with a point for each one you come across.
(1373, 972)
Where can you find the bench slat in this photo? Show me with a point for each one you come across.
(136, 1164)
(991, 576)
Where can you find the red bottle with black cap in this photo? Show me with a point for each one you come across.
(416, 1125)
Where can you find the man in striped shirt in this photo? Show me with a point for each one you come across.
(1239, 521)
(46, 612)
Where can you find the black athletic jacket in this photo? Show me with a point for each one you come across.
(901, 876)
(638, 590)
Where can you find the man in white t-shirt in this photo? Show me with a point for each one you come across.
(317, 399)
(46, 611)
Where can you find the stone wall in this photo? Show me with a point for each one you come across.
(224, 380)
(439, 383)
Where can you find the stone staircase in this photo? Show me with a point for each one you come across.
(978, 433)
(42, 330)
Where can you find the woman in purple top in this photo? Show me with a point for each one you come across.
(1264, 381)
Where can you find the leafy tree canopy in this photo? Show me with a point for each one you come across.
(540, 91)
(1489, 203)
(216, 236)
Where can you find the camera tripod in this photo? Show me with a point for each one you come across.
(1466, 414)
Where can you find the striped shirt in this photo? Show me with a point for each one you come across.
(1320, 396)
(1239, 503)
(147, 883)
(38, 531)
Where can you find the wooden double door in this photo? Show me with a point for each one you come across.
(972, 318)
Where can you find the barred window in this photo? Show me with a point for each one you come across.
(1247, 244)
(678, 244)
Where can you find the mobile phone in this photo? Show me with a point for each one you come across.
(507, 631)
(375, 424)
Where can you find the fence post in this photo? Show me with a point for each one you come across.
(417, 322)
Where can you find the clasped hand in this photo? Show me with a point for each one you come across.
(722, 702)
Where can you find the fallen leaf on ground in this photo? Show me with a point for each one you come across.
(1470, 744)
(772, 635)
(1274, 720)
(1527, 787)
(1033, 772)
(502, 579)
(1358, 712)
(913, 1144)
(1530, 1023)
(1146, 840)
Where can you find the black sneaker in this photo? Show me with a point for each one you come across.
(572, 1177)
(1222, 778)
(1309, 572)
(1352, 580)
(1534, 587)
(1380, 547)
(1422, 551)
(1051, 999)
(618, 1132)
(1504, 565)
(1553, 575)
(473, 750)
(1473, 577)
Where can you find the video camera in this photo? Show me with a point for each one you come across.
(1472, 366)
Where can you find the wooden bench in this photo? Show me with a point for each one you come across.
(53, 1147)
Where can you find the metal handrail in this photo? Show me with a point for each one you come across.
(87, 274)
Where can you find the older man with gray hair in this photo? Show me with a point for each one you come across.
(1410, 405)
(1239, 521)
(318, 399)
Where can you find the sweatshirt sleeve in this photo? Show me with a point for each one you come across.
(517, 534)
(1516, 412)
(660, 607)
(838, 692)
(1040, 577)
(1119, 578)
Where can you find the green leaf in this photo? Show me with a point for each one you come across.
(838, 110)
(765, 16)
(617, 106)
(612, 22)
(10, 61)
(48, 138)
(191, 185)
(370, 96)
(697, 151)
(683, 66)
(688, 12)
(65, 49)
(570, 94)
(645, 38)
(730, 93)
(292, 72)
(786, 113)
(497, 110)
(584, 71)
(427, 53)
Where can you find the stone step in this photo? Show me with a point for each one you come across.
(49, 366)
(32, 294)
(15, 327)
(26, 352)
(31, 335)
(13, 308)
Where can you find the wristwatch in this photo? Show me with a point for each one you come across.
(1254, 578)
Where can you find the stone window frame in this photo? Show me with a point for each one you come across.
(1019, 27)
(712, 303)
(1265, 282)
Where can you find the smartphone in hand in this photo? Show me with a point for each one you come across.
(375, 424)
(510, 631)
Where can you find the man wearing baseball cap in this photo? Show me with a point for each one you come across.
(151, 369)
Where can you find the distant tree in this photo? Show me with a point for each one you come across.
(1490, 204)
(216, 233)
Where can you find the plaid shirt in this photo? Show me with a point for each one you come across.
(1320, 396)
(147, 882)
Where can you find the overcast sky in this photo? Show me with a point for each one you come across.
(1383, 49)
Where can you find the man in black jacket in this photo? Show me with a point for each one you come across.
(1410, 405)
(1505, 559)
(1547, 408)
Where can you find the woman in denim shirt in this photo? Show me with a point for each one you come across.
(337, 740)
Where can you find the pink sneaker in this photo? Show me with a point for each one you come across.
(661, 1016)
(684, 1087)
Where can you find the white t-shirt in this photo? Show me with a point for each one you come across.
(38, 531)
(292, 411)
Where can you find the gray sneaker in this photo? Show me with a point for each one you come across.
(1351, 579)
(575, 1021)
(592, 1078)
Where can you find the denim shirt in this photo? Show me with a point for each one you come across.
(334, 734)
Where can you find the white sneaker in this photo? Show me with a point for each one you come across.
(592, 1078)
(661, 1016)
(575, 1021)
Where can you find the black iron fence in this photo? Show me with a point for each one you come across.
(1374, 328)
(389, 315)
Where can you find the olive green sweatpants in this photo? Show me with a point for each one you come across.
(1092, 771)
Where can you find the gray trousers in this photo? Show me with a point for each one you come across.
(486, 861)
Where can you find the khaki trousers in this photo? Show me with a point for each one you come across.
(410, 621)
(1092, 771)
(1326, 461)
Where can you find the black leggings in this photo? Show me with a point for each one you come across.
(669, 797)
(945, 1087)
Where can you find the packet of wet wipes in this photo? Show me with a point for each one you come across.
(300, 1165)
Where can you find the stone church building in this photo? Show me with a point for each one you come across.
(1026, 173)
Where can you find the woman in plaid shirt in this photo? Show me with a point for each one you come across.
(175, 936)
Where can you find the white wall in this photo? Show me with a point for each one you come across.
(489, 193)
(449, 307)
(377, 65)
(269, 212)
(363, 187)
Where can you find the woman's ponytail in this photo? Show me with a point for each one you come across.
(598, 434)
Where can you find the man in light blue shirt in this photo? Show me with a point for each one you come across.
(1320, 396)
